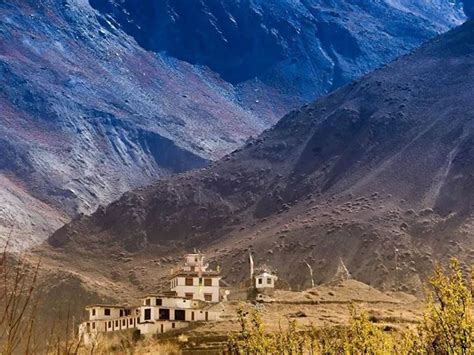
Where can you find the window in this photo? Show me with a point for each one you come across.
(127, 312)
(208, 297)
(148, 302)
(124, 322)
(189, 296)
(269, 281)
(110, 324)
(131, 321)
(192, 315)
(200, 281)
(147, 315)
(93, 325)
(107, 312)
(121, 313)
(173, 325)
(188, 281)
(93, 311)
(207, 282)
(179, 314)
(164, 314)
(116, 323)
(260, 281)
(159, 302)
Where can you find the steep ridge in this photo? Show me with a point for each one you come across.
(87, 111)
(86, 114)
(378, 173)
(304, 48)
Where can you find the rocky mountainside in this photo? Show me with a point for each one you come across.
(303, 49)
(100, 97)
(379, 173)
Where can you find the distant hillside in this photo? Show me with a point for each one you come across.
(379, 173)
(98, 100)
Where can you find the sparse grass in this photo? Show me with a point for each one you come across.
(122, 344)
(447, 328)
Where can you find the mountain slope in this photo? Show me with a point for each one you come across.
(378, 173)
(302, 48)
(88, 111)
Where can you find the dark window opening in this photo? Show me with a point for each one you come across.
(179, 314)
(164, 314)
(128, 312)
(208, 297)
(188, 281)
(121, 313)
(189, 296)
(159, 302)
(107, 312)
(147, 302)
(207, 282)
(260, 281)
(147, 315)
(124, 322)
(269, 281)
(93, 325)
(93, 311)
(172, 325)
(110, 324)
(116, 323)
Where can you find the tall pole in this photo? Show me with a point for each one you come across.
(311, 274)
(251, 269)
(396, 267)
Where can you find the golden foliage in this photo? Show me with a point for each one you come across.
(447, 328)
(448, 325)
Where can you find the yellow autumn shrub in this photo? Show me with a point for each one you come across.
(446, 328)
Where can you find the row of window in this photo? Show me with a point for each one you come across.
(190, 296)
(131, 322)
(158, 302)
(123, 312)
(164, 314)
(269, 281)
(189, 281)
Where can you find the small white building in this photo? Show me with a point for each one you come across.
(193, 280)
(265, 280)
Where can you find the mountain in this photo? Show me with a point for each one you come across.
(379, 173)
(303, 49)
(100, 97)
